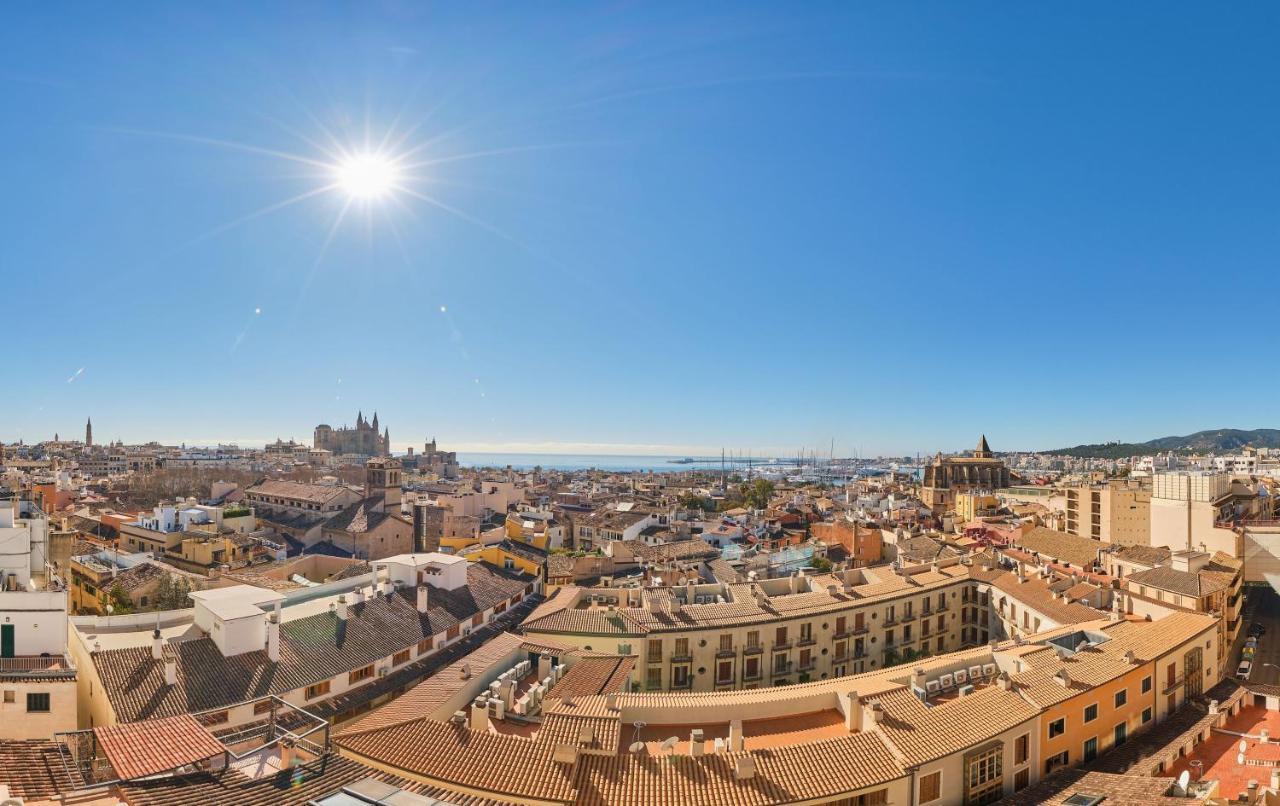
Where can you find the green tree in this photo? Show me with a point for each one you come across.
(119, 600)
(756, 494)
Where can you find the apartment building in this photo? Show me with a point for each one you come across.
(1115, 511)
(966, 727)
(310, 648)
(37, 679)
(711, 637)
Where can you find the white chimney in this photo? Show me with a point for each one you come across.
(343, 611)
(170, 671)
(744, 768)
(696, 739)
(852, 712)
(480, 714)
(735, 736)
(157, 645)
(273, 638)
(423, 604)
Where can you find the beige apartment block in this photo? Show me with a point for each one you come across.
(1116, 511)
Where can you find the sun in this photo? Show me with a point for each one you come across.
(367, 176)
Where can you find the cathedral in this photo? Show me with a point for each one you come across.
(363, 440)
(946, 476)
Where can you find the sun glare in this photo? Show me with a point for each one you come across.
(367, 176)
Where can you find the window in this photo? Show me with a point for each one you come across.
(780, 663)
(1022, 748)
(840, 624)
(1058, 727)
(400, 657)
(726, 643)
(753, 639)
(10, 696)
(859, 623)
(38, 703)
(806, 632)
(363, 673)
(780, 635)
(653, 679)
(1090, 712)
(682, 648)
(1091, 749)
(751, 668)
(724, 672)
(679, 676)
(1122, 697)
(1146, 715)
(317, 690)
(1146, 684)
(262, 706)
(931, 787)
(1122, 734)
(655, 651)
(424, 646)
(984, 776)
(216, 718)
(1054, 762)
(1021, 779)
(880, 797)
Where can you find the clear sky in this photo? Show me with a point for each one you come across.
(663, 227)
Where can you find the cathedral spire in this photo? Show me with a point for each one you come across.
(984, 450)
(359, 418)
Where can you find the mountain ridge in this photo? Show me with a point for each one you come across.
(1215, 440)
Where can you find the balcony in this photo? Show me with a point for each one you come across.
(806, 642)
(749, 675)
(1171, 685)
(807, 665)
(779, 646)
(726, 653)
(45, 667)
(752, 649)
(682, 658)
(783, 668)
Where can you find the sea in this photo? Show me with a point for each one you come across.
(587, 461)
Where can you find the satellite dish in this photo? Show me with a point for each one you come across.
(636, 747)
(670, 743)
(1184, 780)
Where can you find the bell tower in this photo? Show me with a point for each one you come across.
(382, 478)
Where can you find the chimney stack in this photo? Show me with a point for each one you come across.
(343, 612)
(480, 713)
(735, 736)
(696, 739)
(287, 753)
(157, 646)
(852, 712)
(744, 768)
(170, 671)
(273, 638)
(423, 604)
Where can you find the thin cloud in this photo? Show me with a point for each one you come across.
(75, 375)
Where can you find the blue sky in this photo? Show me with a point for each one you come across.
(661, 227)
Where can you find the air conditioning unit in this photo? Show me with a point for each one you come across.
(988, 669)
(975, 672)
(965, 691)
(947, 681)
(961, 676)
(933, 687)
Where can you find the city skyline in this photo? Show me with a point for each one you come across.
(639, 226)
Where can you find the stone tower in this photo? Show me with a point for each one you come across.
(382, 477)
(88, 433)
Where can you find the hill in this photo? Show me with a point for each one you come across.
(1220, 440)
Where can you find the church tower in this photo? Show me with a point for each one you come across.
(984, 450)
(88, 433)
(382, 478)
(386, 442)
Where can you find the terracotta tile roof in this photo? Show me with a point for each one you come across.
(1116, 790)
(1036, 594)
(1079, 551)
(696, 548)
(314, 493)
(1185, 583)
(33, 769)
(313, 648)
(498, 765)
(362, 516)
(305, 784)
(424, 699)
(141, 749)
(1146, 555)
(817, 771)
(594, 675)
(922, 733)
